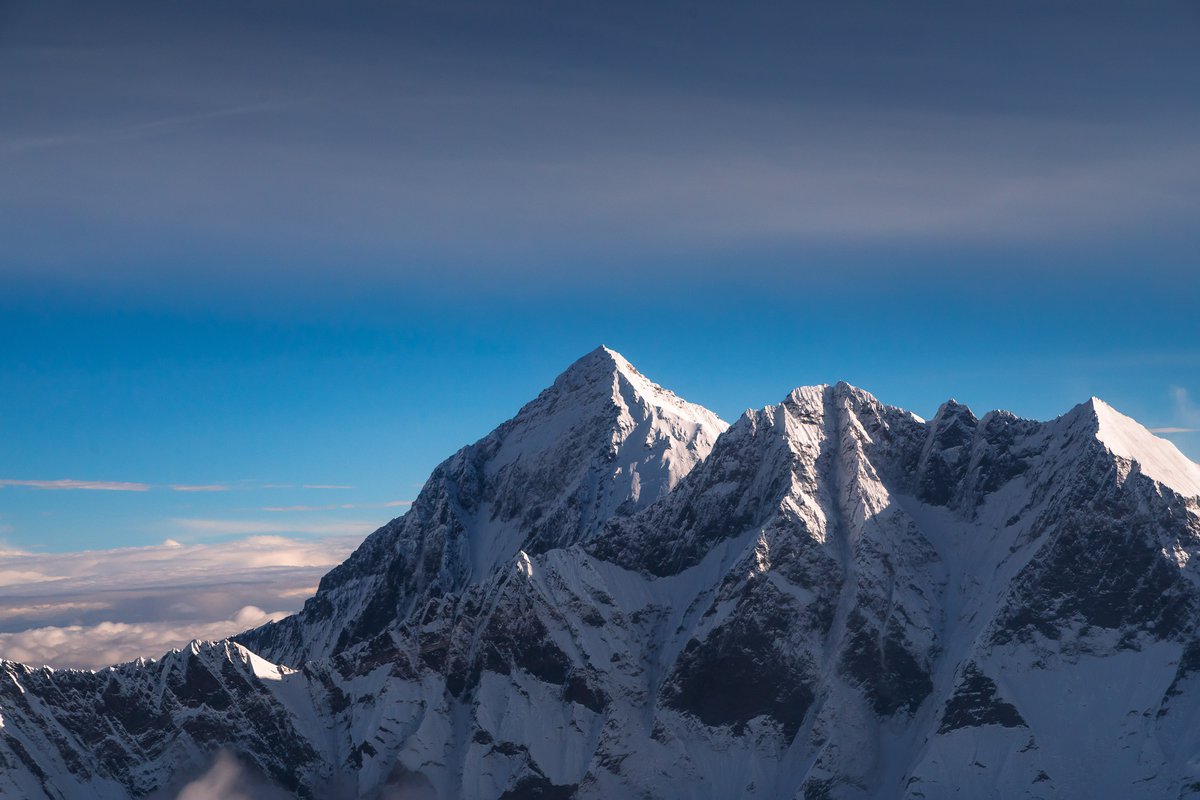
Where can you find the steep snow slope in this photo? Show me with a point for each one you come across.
(1157, 458)
(840, 601)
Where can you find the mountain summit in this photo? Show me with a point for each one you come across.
(611, 595)
(602, 441)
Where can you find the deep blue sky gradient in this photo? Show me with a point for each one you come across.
(266, 245)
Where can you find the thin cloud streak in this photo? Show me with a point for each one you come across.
(140, 129)
(338, 506)
(70, 484)
(236, 527)
(305, 508)
(1174, 430)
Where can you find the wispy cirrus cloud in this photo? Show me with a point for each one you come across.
(140, 129)
(307, 508)
(71, 484)
(338, 506)
(139, 486)
(250, 527)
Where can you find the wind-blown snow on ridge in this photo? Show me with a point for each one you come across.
(840, 600)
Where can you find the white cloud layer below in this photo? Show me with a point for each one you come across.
(93, 608)
(95, 646)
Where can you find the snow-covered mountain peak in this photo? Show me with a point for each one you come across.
(816, 401)
(602, 441)
(603, 359)
(598, 367)
(952, 409)
(1156, 458)
(605, 375)
(651, 436)
(807, 395)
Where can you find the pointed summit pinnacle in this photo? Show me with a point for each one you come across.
(601, 362)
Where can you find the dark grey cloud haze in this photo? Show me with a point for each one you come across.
(159, 141)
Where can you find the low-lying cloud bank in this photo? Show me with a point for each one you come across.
(93, 608)
(95, 646)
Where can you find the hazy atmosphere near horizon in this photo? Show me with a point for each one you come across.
(265, 265)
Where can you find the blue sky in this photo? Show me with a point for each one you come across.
(264, 248)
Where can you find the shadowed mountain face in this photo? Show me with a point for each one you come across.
(612, 595)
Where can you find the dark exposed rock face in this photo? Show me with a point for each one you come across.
(1101, 536)
(893, 677)
(975, 702)
(738, 674)
(840, 601)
